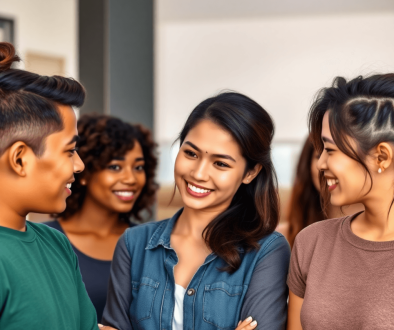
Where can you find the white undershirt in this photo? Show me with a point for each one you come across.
(177, 323)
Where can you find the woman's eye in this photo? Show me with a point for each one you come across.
(190, 153)
(221, 164)
(140, 168)
(114, 167)
(328, 149)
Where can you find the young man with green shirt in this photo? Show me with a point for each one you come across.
(40, 282)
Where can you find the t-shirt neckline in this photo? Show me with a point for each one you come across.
(360, 242)
(26, 236)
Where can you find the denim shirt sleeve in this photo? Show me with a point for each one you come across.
(266, 298)
(116, 312)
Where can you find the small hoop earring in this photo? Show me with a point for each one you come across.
(379, 170)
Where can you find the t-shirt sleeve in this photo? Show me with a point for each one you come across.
(297, 278)
(266, 298)
(119, 289)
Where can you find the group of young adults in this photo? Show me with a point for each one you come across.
(218, 263)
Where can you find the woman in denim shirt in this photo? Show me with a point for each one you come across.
(217, 260)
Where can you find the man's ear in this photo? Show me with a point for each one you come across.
(384, 155)
(250, 175)
(17, 158)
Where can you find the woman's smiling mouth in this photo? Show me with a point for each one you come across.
(197, 191)
(332, 183)
(124, 195)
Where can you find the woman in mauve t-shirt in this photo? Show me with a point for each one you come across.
(341, 270)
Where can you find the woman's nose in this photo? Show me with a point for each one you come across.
(200, 172)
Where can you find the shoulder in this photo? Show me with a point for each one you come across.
(274, 243)
(325, 229)
(143, 233)
(50, 235)
(53, 224)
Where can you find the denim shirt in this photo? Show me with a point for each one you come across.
(142, 286)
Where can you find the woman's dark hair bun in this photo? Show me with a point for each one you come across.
(7, 56)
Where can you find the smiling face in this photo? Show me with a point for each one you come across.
(117, 187)
(209, 168)
(346, 178)
(50, 174)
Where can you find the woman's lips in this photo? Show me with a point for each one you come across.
(331, 188)
(190, 189)
(124, 195)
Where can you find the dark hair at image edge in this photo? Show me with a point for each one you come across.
(361, 109)
(304, 206)
(254, 210)
(103, 138)
(28, 103)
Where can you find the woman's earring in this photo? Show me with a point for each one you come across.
(379, 170)
(83, 182)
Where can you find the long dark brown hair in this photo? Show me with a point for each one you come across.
(361, 109)
(304, 207)
(254, 210)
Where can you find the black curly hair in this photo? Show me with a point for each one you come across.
(103, 138)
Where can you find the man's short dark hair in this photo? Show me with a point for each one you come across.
(28, 103)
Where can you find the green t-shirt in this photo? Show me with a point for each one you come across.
(40, 283)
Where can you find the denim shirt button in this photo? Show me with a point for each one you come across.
(191, 292)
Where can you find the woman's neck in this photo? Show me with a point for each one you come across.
(95, 217)
(376, 223)
(192, 222)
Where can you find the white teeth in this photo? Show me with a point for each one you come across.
(331, 182)
(198, 190)
(124, 193)
(68, 185)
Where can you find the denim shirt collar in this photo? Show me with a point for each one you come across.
(162, 235)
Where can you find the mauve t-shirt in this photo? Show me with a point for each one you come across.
(346, 282)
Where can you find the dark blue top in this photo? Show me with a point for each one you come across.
(141, 287)
(95, 275)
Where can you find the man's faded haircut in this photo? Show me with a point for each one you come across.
(29, 103)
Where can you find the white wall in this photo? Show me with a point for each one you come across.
(280, 62)
(47, 27)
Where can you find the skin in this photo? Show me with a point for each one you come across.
(334, 211)
(31, 184)
(209, 157)
(95, 228)
(376, 223)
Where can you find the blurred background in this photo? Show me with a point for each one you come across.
(152, 62)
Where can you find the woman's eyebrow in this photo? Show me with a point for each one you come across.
(193, 146)
(214, 155)
(326, 139)
(225, 157)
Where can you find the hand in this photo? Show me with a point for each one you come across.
(103, 327)
(247, 324)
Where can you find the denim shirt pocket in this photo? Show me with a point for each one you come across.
(143, 296)
(221, 304)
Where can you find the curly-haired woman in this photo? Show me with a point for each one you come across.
(117, 184)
